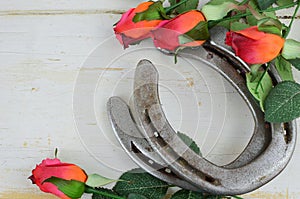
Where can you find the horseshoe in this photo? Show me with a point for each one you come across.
(266, 155)
(143, 154)
(137, 147)
(196, 169)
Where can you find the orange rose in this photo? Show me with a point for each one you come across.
(254, 46)
(55, 168)
(129, 32)
(184, 30)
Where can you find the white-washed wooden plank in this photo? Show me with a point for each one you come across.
(68, 5)
(81, 7)
(40, 59)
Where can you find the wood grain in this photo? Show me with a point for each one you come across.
(44, 46)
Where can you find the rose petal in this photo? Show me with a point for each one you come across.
(253, 46)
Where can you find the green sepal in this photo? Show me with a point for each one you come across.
(96, 180)
(217, 9)
(284, 69)
(291, 49)
(226, 24)
(71, 188)
(154, 12)
(183, 7)
(103, 193)
(259, 84)
(283, 102)
(251, 20)
(237, 26)
(270, 25)
(254, 69)
(183, 39)
(199, 32)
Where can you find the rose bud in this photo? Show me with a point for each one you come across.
(254, 46)
(136, 24)
(55, 168)
(187, 29)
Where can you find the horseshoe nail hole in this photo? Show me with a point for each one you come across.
(210, 56)
(287, 133)
(150, 161)
(148, 121)
(147, 118)
(167, 170)
(209, 179)
(143, 158)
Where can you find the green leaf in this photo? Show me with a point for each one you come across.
(270, 25)
(264, 4)
(252, 21)
(188, 5)
(104, 190)
(226, 24)
(237, 26)
(259, 85)
(96, 180)
(284, 2)
(186, 194)
(189, 142)
(199, 32)
(283, 102)
(284, 69)
(154, 12)
(136, 196)
(254, 69)
(217, 9)
(295, 63)
(291, 49)
(139, 182)
(71, 188)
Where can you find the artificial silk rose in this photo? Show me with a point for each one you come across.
(129, 32)
(254, 46)
(187, 29)
(55, 168)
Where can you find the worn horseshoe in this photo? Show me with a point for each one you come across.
(265, 157)
(195, 169)
(142, 153)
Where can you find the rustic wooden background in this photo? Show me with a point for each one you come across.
(48, 51)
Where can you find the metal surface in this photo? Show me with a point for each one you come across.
(137, 147)
(265, 156)
(195, 169)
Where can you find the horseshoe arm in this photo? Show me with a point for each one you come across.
(137, 147)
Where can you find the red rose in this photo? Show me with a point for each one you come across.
(254, 46)
(128, 32)
(184, 30)
(55, 168)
